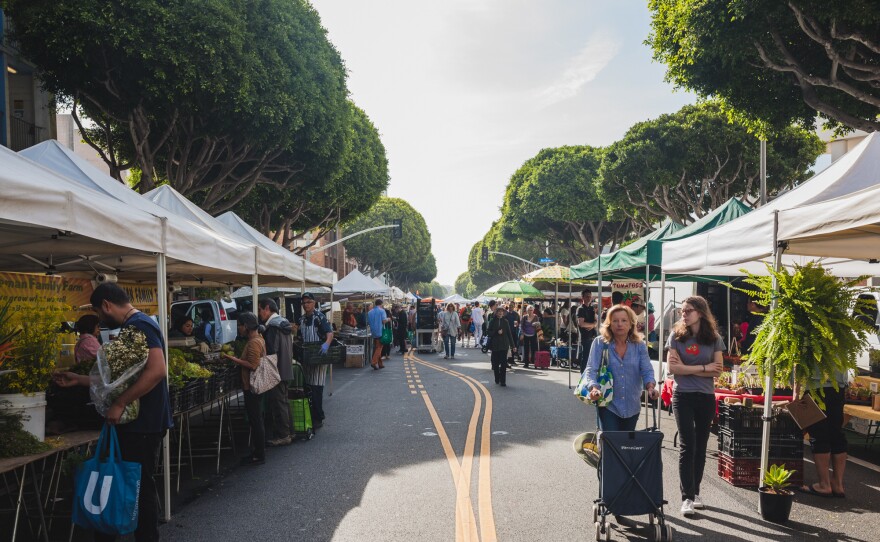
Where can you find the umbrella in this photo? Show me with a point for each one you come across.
(513, 288)
(553, 273)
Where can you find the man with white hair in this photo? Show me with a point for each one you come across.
(477, 317)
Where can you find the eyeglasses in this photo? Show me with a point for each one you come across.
(685, 312)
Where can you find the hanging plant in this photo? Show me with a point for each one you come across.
(811, 335)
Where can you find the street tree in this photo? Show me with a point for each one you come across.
(318, 207)
(464, 287)
(409, 279)
(777, 62)
(215, 96)
(376, 252)
(555, 196)
(499, 267)
(683, 165)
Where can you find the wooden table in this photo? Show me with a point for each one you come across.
(25, 464)
(864, 412)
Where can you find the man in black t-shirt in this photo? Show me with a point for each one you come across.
(141, 439)
(586, 321)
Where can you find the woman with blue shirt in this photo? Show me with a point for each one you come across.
(630, 368)
(694, 357)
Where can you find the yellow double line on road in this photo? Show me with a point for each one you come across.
(465, 520)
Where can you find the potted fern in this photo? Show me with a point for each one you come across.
(811, 334)
(775, 497)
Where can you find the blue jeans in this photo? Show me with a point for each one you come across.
(609, 421)
(449, 344)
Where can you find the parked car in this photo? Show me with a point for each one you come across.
(214, 321)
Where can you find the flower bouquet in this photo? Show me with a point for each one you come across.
(118, 366)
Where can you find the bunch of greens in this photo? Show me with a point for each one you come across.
(181, 370)
(119, 365)
(14, 440)
(811, 335)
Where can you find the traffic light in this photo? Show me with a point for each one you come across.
(485, 255)
(397, 230)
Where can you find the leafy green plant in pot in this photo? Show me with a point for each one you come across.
(811, 334)
(775, 498)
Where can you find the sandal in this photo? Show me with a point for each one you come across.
(811, 490)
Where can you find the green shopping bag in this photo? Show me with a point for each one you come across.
(386, 335)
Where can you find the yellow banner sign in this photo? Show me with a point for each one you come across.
(29, 291)
(143, 296)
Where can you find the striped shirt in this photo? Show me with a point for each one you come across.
(311, 328)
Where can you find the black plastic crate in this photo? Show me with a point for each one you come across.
(741, 445)
(749, 420)
(745, 471)
(310, 353)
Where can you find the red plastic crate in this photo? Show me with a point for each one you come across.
(746, 471)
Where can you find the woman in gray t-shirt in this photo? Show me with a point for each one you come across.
(694, 356)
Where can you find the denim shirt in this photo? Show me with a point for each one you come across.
(631, 374)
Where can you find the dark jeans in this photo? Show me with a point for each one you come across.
(609, 421)
(694, 412)
(586, 343)
(449, 344)
(400, 340)
(499, 366)
(530, 346)
(317, 403)
(253, 405)
(279, 410)
(142, 448)
(827, 436)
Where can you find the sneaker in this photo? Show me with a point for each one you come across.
(698, 503)
(280, 441)
(687, 508)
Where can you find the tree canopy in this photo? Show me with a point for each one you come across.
(376, 252)
(352, 190)
(411, 279)
(555, 196)
(683, 165)
(777, 62)
(214, 97)
(464, 287)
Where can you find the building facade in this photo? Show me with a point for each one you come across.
(26, 115)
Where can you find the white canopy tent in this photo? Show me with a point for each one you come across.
(411, 297)
(195, 253)
(456, 298)
(314, 275)
(397, 293)
(748, 242)
(358, 283)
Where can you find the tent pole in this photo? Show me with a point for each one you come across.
(661, 336)
(729, 324)
(331, 323)
(162, 299)
(569, 327)
(770, 376)
(556, 314)
(647, 295)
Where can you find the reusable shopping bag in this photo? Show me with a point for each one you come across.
(386, 335)
(603, 378)
(106, 489)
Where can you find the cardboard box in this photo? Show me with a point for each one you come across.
(354, 361)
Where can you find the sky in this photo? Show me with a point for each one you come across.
(464, 91)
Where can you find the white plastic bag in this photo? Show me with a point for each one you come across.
(104, 391)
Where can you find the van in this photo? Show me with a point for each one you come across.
(862, 360)
(214, 321)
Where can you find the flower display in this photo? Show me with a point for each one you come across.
(118, 366)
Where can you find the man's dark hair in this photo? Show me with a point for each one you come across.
(492, 302)
(268, 304)
(109, 292)
(616, 298)
(586, 292)
(378, 302)
(87, 323)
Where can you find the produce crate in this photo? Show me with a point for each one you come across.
(743, 446)
(746, 472)
(748, 420)
(310, 353)
(188, 397)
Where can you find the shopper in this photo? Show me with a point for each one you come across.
(278, 336)
(513, 320)
(450, 325)
(87, 346)
(314, 328)
(466, 321)
(386, 348)
(500, 341)
(827, 439)
(529, 335)
(587, 323)
(401, 329)
(139, 440)
(377, 318)
(694, 357)
(254, 351)
(631, 370)
(477, 318)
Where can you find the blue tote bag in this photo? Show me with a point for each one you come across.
(106, 489)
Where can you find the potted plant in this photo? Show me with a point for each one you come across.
(874, 359)
(811, 332)
(775, 500)
(30, 361)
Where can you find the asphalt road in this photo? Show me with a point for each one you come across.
(431, 450)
